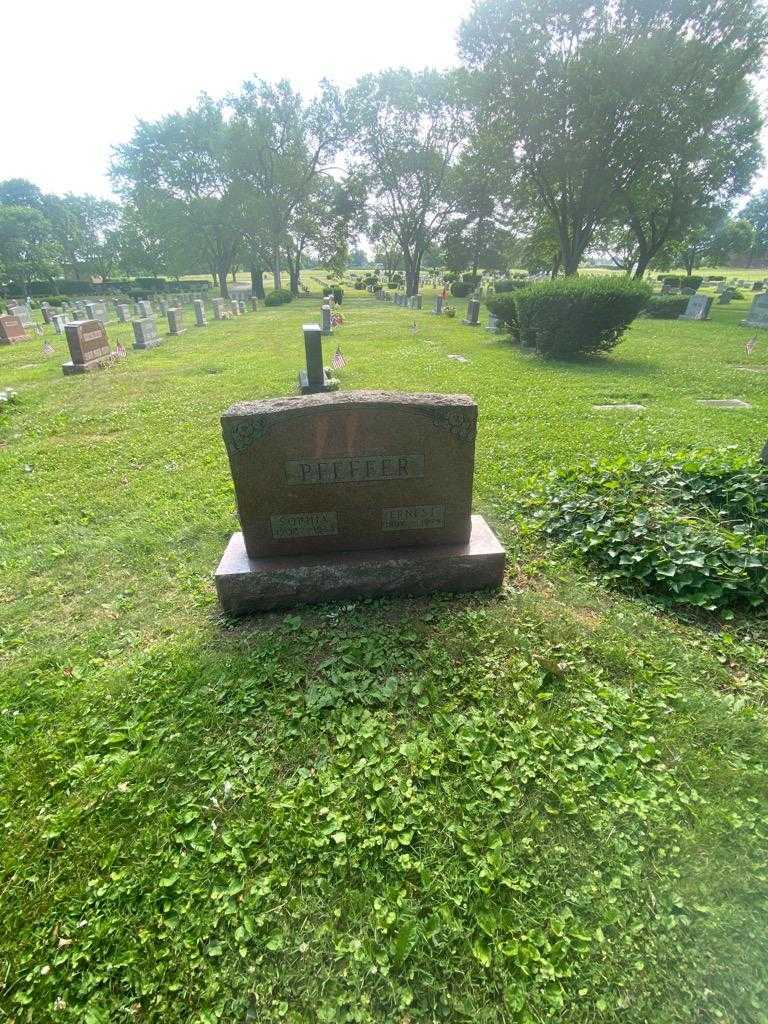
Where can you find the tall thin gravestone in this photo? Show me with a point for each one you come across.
(314, 379)
(200, 320)
(473, 313)
(326, 320)
(218, 309)
(176, 321)
(438, 310)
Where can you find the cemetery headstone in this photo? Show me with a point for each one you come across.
(438, 309)
(23, 312)
(353, 494)
(145, 333)
(97, 311)
(493, 323)
(758, 313)
(241, 307)
(473, 313)
(176, 321)
(200, 320)
(314, 379)
(698, 308)
(123, 312)
(11, 330)
(327, 329)
(218, 309)
(88, 346)
(145, 309)
(58, 321)
(254, 304)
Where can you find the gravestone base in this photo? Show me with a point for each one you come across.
(470, 323)
(175, 334)
(153, 343)
(71, 368)
(247, 585)
(329, 384)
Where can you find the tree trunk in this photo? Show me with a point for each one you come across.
(234, 275)
(257, 281)
(223, 269)
(278, 281)
(641, 266)
(295, 275)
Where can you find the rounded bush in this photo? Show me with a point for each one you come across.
(665, 307)
(277, 297)
(461, 289)
(683, 281)
(575, 316)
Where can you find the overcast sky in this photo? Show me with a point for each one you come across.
(74, 83)
(76, 75)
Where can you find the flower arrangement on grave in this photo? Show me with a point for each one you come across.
(337, 320)
(449, 311)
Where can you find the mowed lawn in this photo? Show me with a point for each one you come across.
(543, 805)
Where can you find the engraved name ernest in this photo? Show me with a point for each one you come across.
(354, 469)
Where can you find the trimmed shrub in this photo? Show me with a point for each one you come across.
(337, 292)
(682, 281)
(473, 279)
(509, 285)
(575, 316)
(461, 289)
(505, 310)
(277, 297)
(715, 277)
(690, 527)
(665, 307)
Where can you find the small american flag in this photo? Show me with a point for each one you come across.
(47, 349)
(120, 350)
(338, 362)
(750, 346)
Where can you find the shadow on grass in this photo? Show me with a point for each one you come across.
(594, 364)
(355, 614)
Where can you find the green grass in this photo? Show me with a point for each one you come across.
(542, 805)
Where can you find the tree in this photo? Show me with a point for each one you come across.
(20, 192)
(406, 129)
(712, 243)
(756, 213)
(582, 98)
(183, 163)
(710, 168)
(80, 225)
(27, 248)
(281, 147)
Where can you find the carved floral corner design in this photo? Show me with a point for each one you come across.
(458, 422)
(241, 434)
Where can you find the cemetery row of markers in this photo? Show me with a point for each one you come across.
(87, 337)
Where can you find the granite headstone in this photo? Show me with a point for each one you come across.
(353, 494)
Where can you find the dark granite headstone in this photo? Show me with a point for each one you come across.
(88, 346)
(200, 320)
(473, 313)
(353, 494)
(314, 378)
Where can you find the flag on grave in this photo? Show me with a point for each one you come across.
(338, 362)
